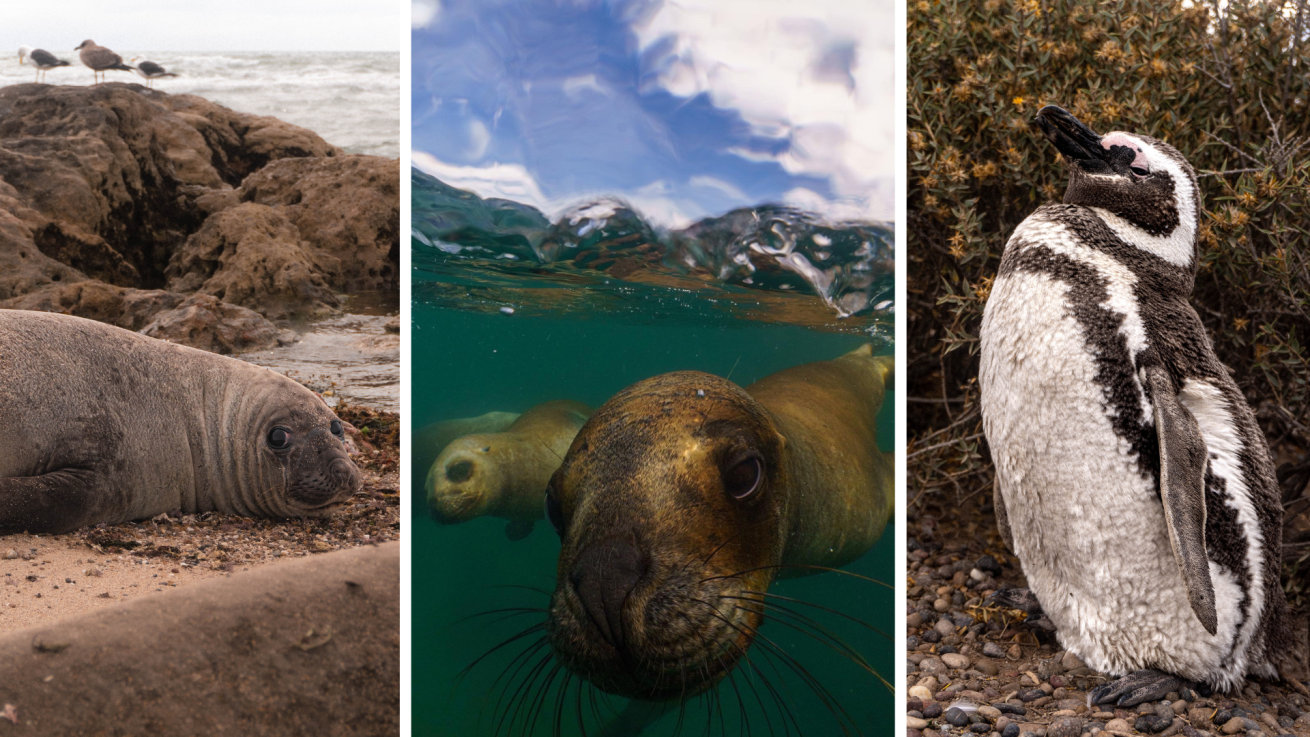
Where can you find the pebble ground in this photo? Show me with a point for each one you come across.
(979, 670)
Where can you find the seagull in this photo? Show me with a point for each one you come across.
(41, 59)
(150, 70)
(99, 58)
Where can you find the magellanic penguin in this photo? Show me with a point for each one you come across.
(1132, 481)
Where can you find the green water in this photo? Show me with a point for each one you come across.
(469, 363)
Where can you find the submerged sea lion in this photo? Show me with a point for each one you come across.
(504, 474)
(428, 442)
(682, 499)
(100, 424)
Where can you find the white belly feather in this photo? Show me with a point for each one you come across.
(1087, 526)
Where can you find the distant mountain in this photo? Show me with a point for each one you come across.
(767, 247)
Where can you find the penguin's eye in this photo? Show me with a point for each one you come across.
(1139, 171)
(742, 478)
(554, 513)
(336, 428)
(279, 438)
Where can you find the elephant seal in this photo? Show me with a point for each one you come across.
(428, 442)
(504, 474)
(682, 499)
(100, 424)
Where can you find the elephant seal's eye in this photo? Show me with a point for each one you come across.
(279, 438)
(337, 429)
(742, 478)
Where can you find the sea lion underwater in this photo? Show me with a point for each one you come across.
(100, 424)
(428, 441)
(1132, 480)
(504, 474)
(682, 499)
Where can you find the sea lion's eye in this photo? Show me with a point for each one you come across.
(336, 428)
(742, 478)
(554, 513)
(1139, 171)
(279, 438)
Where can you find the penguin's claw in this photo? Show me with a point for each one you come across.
(1021, 599)
(1135, 688)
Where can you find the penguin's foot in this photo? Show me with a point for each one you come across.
(1136, 688)
(1021, 599)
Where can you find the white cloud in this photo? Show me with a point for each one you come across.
(423, 12)
(515, 182)
(718, 184)
(783, 66)
(574, 86)
(479, 138)
(508, 181)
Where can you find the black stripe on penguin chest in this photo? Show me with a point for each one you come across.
(1115, 372)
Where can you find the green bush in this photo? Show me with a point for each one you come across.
(1226, 86)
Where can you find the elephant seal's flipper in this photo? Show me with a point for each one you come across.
(1182, 491)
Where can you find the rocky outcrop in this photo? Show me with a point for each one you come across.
(112, 194)
(205, 322)
(93, 299)
(253, 256)
(347, 207)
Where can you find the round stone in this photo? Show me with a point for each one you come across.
(956, 717)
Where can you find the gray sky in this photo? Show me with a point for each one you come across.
(212, 25)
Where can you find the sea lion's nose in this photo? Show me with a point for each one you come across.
(603, 577)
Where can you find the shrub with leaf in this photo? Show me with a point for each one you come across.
(1226, 84)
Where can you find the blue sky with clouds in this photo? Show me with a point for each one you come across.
(685, 109)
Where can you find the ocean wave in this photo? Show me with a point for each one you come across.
(350, 99)
(768, 262)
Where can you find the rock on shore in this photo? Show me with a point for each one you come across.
(178, 217)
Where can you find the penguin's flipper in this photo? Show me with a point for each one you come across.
(1002, 517)
(1182, 490)
(518, 529)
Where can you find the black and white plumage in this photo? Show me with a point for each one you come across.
(149, 70)
(1132, 480)
(99, 58)
(43, 60)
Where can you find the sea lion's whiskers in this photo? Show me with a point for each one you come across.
(520, 696)
(788, 718)
(819, 634)
(533, 589)
(514, 612)
(846, 650)
(706, 562)
(806, 566)
(519, 662)
(540, 626)
(829, 701)
(539, 700)
(844, 615)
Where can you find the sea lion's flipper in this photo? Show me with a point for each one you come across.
(1002, 516)
(56, 502)
(518, 529)
(1182, 491)
(636, 717)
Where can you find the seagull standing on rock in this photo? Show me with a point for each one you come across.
(100, 59)
(41, 59)
(150, 70)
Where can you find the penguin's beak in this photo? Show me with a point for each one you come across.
(1076, 141)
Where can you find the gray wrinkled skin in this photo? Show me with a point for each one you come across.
(99, 424)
